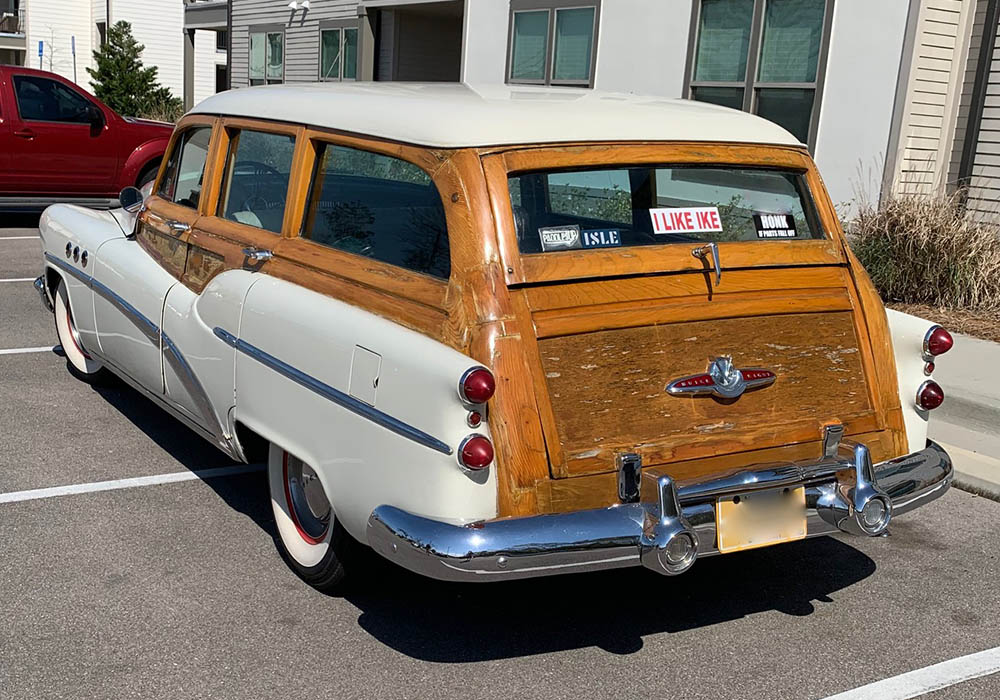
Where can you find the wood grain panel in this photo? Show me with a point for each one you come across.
(607, 387)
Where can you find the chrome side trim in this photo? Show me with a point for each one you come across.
(335, 395)
(618, 536)
(169, 350)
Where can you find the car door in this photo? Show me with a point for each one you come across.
(244, 212)
(61, 142)
(5, 134)
(133, 275)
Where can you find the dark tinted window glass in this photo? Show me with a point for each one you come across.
(379, 207)
(185, 171)
(256, 184)
(633, 206)
(41, 99)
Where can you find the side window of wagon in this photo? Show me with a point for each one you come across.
(255, 185)
(184, 174)
(379, 207)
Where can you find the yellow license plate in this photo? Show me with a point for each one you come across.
(760, 519)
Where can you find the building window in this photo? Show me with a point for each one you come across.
(762, 56)
(267, 57)
(552, 43)
(221, 40)
(221, 77)
(338, 52)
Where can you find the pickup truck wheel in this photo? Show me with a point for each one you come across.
(313, 541)
(148, 175)
(80, 364)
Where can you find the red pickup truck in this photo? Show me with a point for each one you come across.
(59, 143)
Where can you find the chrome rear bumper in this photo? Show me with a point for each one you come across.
(640, 533)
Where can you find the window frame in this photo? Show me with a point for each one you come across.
(17, 100)
(750, 83)
(339, 25)
(267, 30)
(552, 7)
(229, 129)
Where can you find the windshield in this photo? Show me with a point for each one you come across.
(644, 205)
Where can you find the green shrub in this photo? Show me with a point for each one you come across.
(926, 250)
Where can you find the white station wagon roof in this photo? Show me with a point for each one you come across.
(455, 115)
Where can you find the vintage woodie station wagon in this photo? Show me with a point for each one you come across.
(498, 332)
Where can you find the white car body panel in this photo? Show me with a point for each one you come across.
(125, 269)
(908, 347)
(362, 464)
(188, 323)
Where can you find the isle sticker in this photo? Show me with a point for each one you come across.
(559, 237)
(774, 225)
(602, 238)
(686, 220)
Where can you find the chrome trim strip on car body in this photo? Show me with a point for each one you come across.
(331, 394)
(620, 535)
(170, 352)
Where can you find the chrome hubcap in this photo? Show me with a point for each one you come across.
(307, 501)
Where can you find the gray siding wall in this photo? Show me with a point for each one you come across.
(984, 191)
(301, 34)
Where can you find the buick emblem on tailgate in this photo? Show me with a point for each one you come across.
(722, 379)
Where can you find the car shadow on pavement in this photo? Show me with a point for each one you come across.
(244, 493)
(613, 610)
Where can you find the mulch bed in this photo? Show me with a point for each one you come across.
(978, 324)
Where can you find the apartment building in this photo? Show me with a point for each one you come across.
(186, 40)
(890, 96)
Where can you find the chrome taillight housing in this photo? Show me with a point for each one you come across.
(475, 452)
(930, 395)
(937, 341)
(477, 385)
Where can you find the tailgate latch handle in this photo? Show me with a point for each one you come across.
(702, 252)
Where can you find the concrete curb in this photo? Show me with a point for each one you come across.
(975, 472)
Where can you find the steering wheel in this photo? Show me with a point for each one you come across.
(258, 170)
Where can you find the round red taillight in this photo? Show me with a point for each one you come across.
(938, 341)
(477, 385)
(930, 395)
(475, 452)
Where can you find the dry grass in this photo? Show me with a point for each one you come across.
(926, 251)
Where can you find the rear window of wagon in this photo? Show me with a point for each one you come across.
(656, 205)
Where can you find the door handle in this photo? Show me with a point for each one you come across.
(178, 226)
(25, 134)
(258, 255)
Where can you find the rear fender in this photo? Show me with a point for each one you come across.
(908, 346)
(140, 158)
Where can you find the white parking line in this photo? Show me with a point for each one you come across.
(929, 679)
(117, 484)
(25, 351)
(18, 238)
(19, 279)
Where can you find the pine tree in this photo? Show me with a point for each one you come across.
(123, 83)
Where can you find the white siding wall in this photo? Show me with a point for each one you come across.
(933, 97)
(642, 46)
(158, 25)
(859, 94)
(984, 192)
(484, 45)
(55, 22)
(206, 58)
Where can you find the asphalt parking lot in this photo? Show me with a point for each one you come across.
(177, 591)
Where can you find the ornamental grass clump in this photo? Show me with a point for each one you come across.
(928, 250)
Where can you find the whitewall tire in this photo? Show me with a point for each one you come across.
(80, 363)
(313, 542)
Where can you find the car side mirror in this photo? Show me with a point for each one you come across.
(96, 117)
(131, 199)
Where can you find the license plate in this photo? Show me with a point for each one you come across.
(760, 519)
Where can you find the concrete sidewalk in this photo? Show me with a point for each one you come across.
(968, 422)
